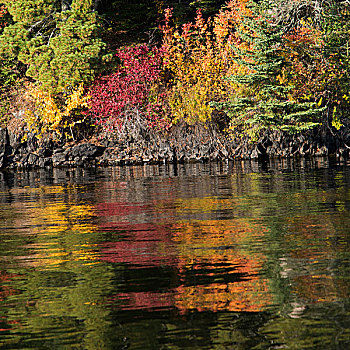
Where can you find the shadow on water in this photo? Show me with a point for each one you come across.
(241, 255)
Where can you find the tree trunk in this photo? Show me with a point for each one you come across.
(65, 5)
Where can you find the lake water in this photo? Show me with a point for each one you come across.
(216, 256)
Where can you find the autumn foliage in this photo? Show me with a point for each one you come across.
(59, 114)
(133, 89)
(198, 56)
(244, 63)
(179, 80)
(263, 75)
(3, 17)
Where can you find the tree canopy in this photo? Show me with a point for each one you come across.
(59, 41)
(264, 65)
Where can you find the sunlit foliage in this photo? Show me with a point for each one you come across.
(258, 65)
(197, 57)
(4, 17)
(59, 45)
(51, 114)
(132, 92)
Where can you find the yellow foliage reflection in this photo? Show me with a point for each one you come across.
(61, 224)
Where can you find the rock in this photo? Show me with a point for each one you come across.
(87, 150)
(59, 159)
(44, 162)
(32, 159)
(15, 141)
(58, 150)
(32, 143)
(181, 144)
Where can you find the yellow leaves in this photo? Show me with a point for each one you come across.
(76, 100)
(53, 113)
(282, 78)
(335, 119)
(199, 56)
(190, 104)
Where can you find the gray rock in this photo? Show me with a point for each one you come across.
(32, 159)
(32, 142)
(43, 162)
(59, 159)
(87, 150)
(15, 140)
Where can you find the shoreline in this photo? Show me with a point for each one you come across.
(183, 144)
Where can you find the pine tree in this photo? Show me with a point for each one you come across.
(264, 101)
(57, 40)
(336, 29)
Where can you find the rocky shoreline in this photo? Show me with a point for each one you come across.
(183, 144)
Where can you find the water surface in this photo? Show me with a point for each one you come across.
(214, 256)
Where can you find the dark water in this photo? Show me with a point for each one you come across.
(236, 256)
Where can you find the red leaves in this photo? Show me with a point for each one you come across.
(133, 87)
(3, 14)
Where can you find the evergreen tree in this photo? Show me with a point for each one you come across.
(336, 29)
(57, 40)
(7, 73)
(264, 101)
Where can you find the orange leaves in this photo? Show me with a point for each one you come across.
(199, 55)
(228, 18)
(304, 36)
(303, 52)
(200, 24)
(3, 16)
(167, 32)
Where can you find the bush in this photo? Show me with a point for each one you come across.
(197, 57)
(133, 89)
(61, 114)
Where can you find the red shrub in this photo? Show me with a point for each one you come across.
(132, 90)
(3, 16)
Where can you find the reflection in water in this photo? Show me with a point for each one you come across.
(217, 271)
(215, 256)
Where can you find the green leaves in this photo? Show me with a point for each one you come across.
(264, 102)
(60, 48)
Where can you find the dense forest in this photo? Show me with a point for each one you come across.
(70, 69)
